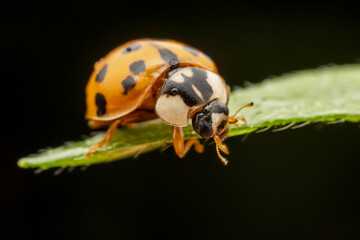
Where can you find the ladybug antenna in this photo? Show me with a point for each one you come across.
(220, 136)
(245, 106)
(233, 119)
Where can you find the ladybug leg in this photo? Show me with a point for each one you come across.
(221, 146)
(109, 134)
(178, 141)
(140, 115)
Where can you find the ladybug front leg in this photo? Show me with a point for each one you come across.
(109, 134)
(178, 141)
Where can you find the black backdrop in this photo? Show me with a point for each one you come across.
(300, 183)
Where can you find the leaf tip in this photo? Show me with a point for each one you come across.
(22, 163)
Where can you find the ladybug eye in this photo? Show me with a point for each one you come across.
(206, 131)
(202, 125)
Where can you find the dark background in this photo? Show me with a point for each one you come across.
(295, 184)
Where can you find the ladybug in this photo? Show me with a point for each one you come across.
(149, 78)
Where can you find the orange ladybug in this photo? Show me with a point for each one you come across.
(147, 78)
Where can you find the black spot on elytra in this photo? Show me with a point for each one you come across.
(100, 102)
(128, 83)
(186, 91)
(101, 74)
(131, 48)
(137, 67)
(191, 50)
(209, 58)
(169, 57)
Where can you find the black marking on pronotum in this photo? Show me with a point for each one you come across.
(137, 67)
(199, 79)
(131, 48)
(191, 50)
(101, 74)
(100, 102)
(169, 57)
(128, 83)
(186, 91)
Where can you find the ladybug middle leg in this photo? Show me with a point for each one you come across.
(109, 134)
(136, 116)
(178, 141)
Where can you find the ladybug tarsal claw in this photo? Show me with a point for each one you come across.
(92, 149)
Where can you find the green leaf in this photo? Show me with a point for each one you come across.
(327, 94)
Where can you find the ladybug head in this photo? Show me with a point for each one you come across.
(213, 121)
